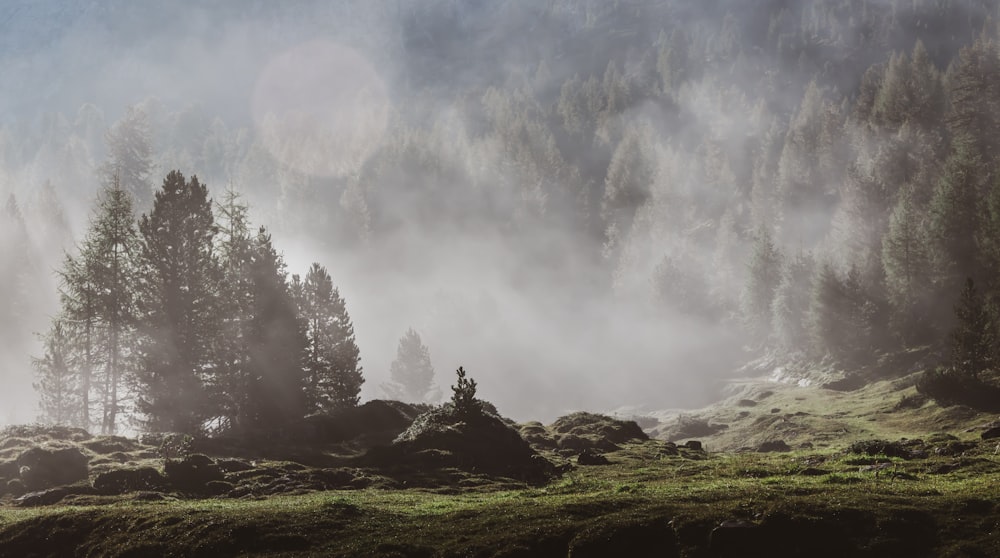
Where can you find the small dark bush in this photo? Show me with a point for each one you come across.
(879, 447)
(948, 387)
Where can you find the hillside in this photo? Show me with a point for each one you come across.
(874, 472)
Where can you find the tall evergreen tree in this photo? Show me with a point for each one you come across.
(412, 374)
(907, 260)
(973, 340)
(332, 371)
(790, 306)
(130, 155)
(276, 384)
(57, 379)
(179, 311)
(229, 382)
(763, 277)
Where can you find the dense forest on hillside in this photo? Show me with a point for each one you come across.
(817, 179)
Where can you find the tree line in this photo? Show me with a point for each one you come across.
(186, 320)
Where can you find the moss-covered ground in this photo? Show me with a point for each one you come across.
(934, 492)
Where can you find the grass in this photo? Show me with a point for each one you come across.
(954, 509)
(819, 501)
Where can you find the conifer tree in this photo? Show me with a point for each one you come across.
(973, 340)
(412, 374)
(275, 339)
(763, 276)
(130, 155)
(179, 310)
(790, 306)
(907, 261)
(57, 380)
(332, 371)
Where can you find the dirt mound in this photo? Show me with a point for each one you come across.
(41, 468)
(378, 420)
(580, 431)
(480, 442)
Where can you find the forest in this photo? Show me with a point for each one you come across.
(816, 180)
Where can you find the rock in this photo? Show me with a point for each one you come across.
(775, 410)
(42, 468)
(590, 457)
(746, 403)
(120, 481)
(639, 540)
(738, 538)
(694, 445)
(771, 446)
(192, 473)
(991, 433)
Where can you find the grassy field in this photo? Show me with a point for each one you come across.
(935, 493)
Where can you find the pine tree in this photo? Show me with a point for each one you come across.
(763, 277)
(57, 378)
(332, 371)
(179, 311)
(790, 306)
(97, 295)
(907, 261)
(110, 251)
(229, 381)
(973, 341)
(130, 155)
(411, 374)
(276, 341)
(954, 220)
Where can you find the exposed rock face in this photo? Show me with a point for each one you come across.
(40, 468)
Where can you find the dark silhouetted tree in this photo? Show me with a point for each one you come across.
(179, 305)
(332, 371)
(973, 341)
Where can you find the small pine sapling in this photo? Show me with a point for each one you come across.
(464, 396)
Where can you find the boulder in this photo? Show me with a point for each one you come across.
(120, 481)
(40, 468)
(694, 445)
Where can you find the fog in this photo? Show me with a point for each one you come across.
(488, 255)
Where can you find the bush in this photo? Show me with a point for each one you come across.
(949, 387)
